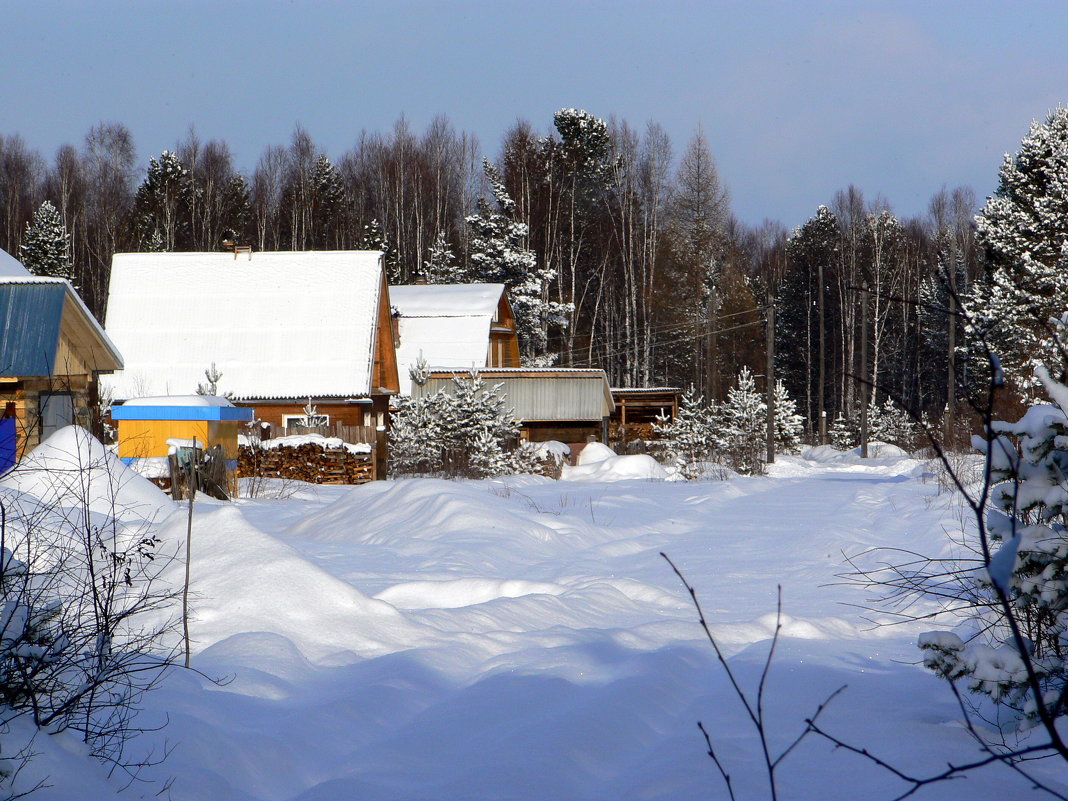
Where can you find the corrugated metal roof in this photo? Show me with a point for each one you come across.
(30, 317)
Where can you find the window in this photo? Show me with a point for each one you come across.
(291, 420)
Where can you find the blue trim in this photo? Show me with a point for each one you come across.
(131, 411)
(128, 460)
(8, 444)
(231, 464)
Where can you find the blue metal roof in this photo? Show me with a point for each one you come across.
(30, 316)
(131, 411)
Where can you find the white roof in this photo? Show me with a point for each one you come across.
(446, 300)
(10, 267)
(448, 325)
(276, 325)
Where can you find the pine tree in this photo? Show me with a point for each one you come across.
(1029, 521)
(788, 423)
(844, 433)
(691, 437)
(499, 255)
(468, 431)
(329, 202)
(374, 238)
(1024, 231)
(743, 426)
(441, 267)
(46, 244)
(160, 201)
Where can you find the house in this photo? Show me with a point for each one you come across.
(565, 404)
(291, 334)
(453, 325)
(52, 350)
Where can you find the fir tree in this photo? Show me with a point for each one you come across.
(329, 201)
(1024, 231)
(441, 267)
(499, 255)
(788, 423)
(160, 200)
(844, 433)
(374, 238)
(46, 245)
(743, 426)
(690, 439)
(467, 432)
(1029, 521)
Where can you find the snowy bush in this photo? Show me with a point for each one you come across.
(887, 423)
(1027, 523)
(469, 432)
(84, 614)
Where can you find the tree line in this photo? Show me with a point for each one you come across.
(622, 252)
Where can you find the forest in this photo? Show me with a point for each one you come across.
(619, 246)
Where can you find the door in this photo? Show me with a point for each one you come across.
(57, 411)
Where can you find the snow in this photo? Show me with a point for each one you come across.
(615, 468)
(278, 325)
(522, 638)
(447, 325)
(71, 468)
(296, 440)
(10, 267)
(595, 452)
(181, 400)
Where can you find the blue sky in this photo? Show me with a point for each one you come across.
(797, 100)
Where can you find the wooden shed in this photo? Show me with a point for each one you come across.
(52, 350)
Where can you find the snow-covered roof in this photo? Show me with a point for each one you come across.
(10, 267)
(448, 325)
(446, 300)
(277, 325)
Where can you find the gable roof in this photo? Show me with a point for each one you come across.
(287, 324)
(448, 325)
(36, 312)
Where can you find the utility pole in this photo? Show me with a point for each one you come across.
(770, 375)
(862, 379)
(820, 389)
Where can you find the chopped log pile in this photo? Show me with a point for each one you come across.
(310, 462)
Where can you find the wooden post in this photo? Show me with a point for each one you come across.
(188, 548)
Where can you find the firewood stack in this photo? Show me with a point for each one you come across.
(310, 463)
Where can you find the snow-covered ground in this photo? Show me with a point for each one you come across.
(523, 639)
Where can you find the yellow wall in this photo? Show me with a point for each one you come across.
(141, 438)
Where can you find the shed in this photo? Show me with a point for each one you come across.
(148, 425)
(453, 325)
(636, 409)
(52, 351)
(552, 403)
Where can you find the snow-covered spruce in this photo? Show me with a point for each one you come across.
(46, 244)
(1024, 230)
(499, 254)
(1028, 525)
(733, 433)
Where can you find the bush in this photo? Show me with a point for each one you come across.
(467, 433)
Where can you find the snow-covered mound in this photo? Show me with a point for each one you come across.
(72, 468)
(615, 468)
(558, 452)
(297, 440)
(594, 452)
